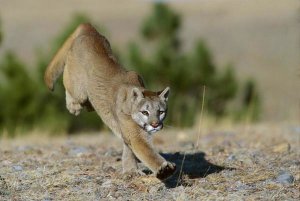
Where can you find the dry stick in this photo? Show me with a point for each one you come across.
(168, 126)
(205, 174)
(201, 115)
(180, 173)
(199, 131)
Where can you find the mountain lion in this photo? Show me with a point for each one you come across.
(94, 79)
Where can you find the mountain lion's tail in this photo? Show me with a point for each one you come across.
(56, 66)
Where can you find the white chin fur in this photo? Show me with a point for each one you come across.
(152, 130)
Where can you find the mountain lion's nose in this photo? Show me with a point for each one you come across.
(154, 124)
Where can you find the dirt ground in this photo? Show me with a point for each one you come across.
(249, 162)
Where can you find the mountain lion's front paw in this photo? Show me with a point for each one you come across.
(165, 170)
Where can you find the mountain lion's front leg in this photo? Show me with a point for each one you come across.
(129, 162)
(145, 152)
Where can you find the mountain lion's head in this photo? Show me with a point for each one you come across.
(149, 109)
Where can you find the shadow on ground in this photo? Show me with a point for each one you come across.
(192, 165)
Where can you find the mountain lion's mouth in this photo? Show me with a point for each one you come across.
(150, 129)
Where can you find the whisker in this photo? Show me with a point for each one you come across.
(168, 126)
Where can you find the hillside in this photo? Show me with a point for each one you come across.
(260, 37)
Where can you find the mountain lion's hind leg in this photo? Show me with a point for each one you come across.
(72, 104)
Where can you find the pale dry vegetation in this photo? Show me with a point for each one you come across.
(259, 162)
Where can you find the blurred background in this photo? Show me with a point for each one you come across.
(233, 59)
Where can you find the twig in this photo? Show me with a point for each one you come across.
(180, 173)
(201, 116)
(198, 137)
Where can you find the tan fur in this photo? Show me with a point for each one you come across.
(93, 78)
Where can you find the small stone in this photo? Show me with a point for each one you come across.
(17, 168)
(240, 186)
(281, 148)
(231, 157)
(285, 178)
(78, 151)
(47, 199)
(242, 157)
(107, 184)
(24, 148)
(112, 153)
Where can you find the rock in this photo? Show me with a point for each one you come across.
(285, 178)
(17, 168)
(281, 148)
(107, 184)
(231, 157)
(242, 157)
(240, 186)
(112, 153)
(24, 148)
(78, 151)
(47, 199)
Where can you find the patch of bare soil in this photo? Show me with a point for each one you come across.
(243, 163)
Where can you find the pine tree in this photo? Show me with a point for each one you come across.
(251, 103)
(17, 90)
(186, 73)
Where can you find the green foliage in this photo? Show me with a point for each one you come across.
(16, 94)
(163, 23)
(251, 103)
(186, 73)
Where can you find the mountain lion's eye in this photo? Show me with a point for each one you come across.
(161, 112)
(146, 113)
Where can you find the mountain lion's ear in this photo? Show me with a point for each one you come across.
(136, 94)
(164, 94)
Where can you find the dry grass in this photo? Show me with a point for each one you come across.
(231, 163)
